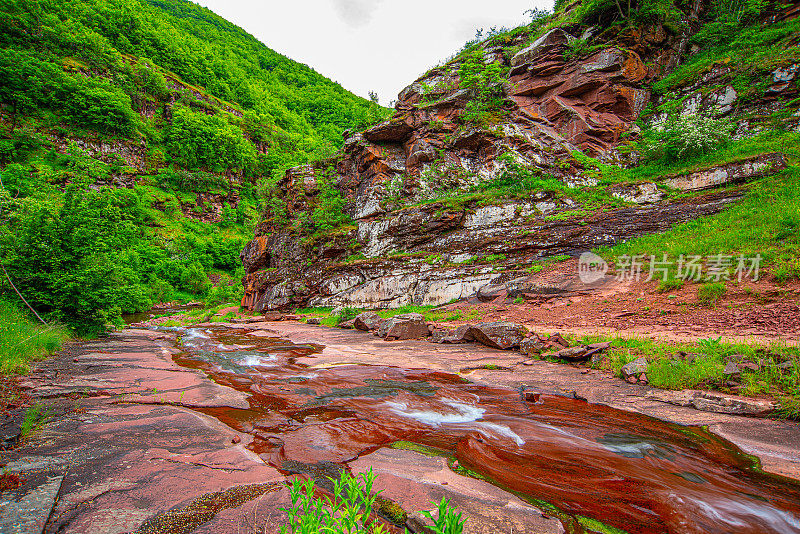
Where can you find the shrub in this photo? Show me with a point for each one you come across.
(349, 510)
(226, 290)
(446, 521)
(683, 137)
(485, 85)
(709, 294)
(329, 212)
(346, 314)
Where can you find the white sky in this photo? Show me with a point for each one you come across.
(378, 45)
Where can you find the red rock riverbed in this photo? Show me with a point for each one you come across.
(628, 470)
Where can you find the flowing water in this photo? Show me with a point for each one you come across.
(624, 469)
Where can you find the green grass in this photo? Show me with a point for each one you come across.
(34, 417)
(431, 313)
(766, 222)
(756, 49)
(668, 372)
(23, 340)
(709, 294)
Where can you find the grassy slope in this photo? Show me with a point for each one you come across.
(23, 339)
(146, 62)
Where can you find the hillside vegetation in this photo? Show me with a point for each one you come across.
(132, 135)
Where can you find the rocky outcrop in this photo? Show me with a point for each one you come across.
(590, 102)
(740, 171)
(424, 231)
(448, 263)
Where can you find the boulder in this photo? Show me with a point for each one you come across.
(634, 368)
(367, 321)
(731, 369)
(531, 345)
(573, 354)
(499, 334)
(404, 326)
(459, 335)
(347, 325)
(313, 320)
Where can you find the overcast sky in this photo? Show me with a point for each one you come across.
(370, 45)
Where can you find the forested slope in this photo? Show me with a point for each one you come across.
(132, 137)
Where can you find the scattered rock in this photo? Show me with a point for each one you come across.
(313, 320)
(573, 354)
(731, 369)
(597, 359)
(556, 341)
(634, 368)
(531, 345)
(690, 357)
(253, 319)
(438, 335)
(632, 380)
(714, 402)
(404, 326)
(533, 396)
(499, 334)
(749, 366)
(367, 321)
(787, 365)
(528, 362)
(643, 378)
(236, 439)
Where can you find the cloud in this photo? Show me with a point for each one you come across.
(356, 13)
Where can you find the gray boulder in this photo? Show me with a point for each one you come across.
(634, 368)
(499, 334)
(404, 326)
(367, 321)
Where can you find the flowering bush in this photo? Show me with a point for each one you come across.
(683, 137)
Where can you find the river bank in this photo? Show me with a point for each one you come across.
(144, 436)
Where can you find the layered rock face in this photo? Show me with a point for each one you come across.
(414, 240)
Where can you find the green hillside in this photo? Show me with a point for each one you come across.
(132, 134)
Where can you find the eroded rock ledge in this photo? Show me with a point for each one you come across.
(421, 234)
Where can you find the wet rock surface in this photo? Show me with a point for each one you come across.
(153, 458)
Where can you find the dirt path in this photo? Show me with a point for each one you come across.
(762, 312)
(129, 447)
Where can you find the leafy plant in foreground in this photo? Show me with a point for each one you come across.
(350, 509)
(347, 512)
(447, 520)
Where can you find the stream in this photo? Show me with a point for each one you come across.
(626, 470)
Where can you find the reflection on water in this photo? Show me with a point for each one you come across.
(624, 469)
